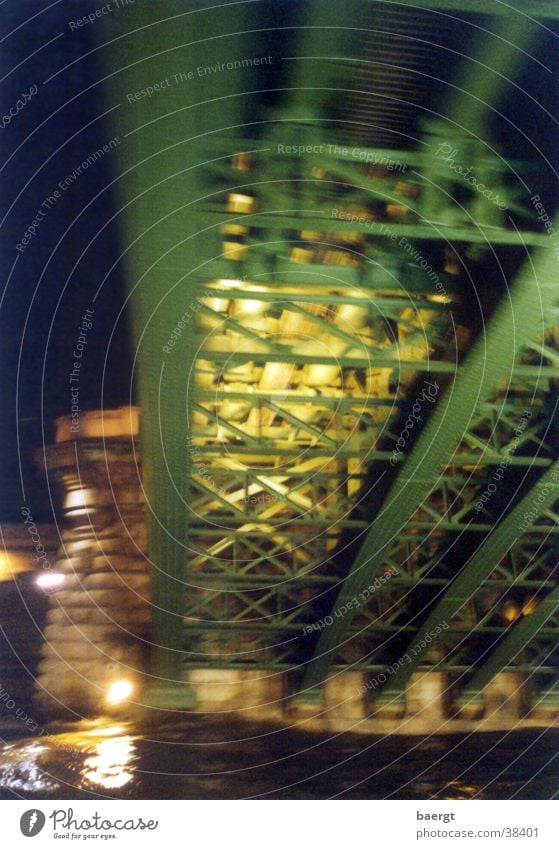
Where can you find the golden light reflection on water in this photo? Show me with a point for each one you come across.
(110, 766)
(21, 769)
(458, 790)
(110, 753)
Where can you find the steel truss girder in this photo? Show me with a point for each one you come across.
(476, 571)
(514, 325)
(545, 9)
(519, 636)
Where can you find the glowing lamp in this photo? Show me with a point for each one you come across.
(119, 692)
(50, 580)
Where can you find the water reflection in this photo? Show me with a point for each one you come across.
(21, 770)
(111, 766)
(458, 790)
(106, 751)
(201, 758)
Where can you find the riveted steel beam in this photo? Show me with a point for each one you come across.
(538, 8)
(477, 234)
(162, 113)
(501, 539)
(519, 636)
(515, 323)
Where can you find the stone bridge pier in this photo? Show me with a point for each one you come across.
(96, 639)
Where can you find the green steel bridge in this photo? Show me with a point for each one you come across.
(344, 312)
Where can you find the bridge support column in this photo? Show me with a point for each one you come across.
(95, 649)
(256, 693)
(546, 705)
(425, 696)
(344, 695)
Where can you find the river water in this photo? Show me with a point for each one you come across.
(205, 757)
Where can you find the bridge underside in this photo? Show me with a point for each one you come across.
(347, 352)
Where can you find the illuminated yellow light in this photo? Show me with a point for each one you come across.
(50, 580)
(301, 255)
(229, 284)
(249, 307)
(242, 161)
(111, 766)
(239, 203)
(12, 564)
(106, 731)
(233, 229)
(119, 692)
(76, 498)
(530, 605)
(440, 299)
(510, 611)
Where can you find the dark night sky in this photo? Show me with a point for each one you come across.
(66, 264)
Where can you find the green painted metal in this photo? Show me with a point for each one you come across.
(159, 188)
(538, 8)
(209, 570)
(430, 231)
(514, 642)
(475, 572)
(513, 326)
(487, 72)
